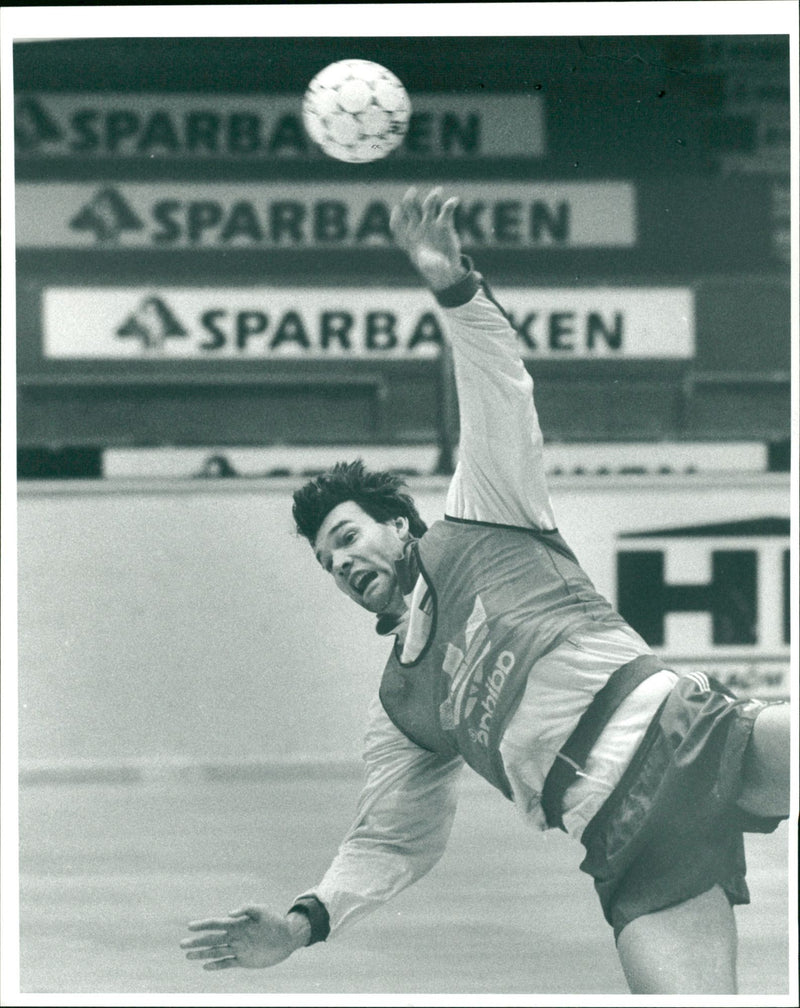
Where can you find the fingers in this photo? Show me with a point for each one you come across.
(210, 946)
(404, 216)
(415, 211)
(396, 222)
(410, 206)
(448, 210)
(432, 204)
(213, 924)
(247, 911)
(204, 941)
(217, 952)
(411, 210)
(219, 964)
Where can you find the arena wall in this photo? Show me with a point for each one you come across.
(174, 623)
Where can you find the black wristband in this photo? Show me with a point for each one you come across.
(317, 917)
(462, 290)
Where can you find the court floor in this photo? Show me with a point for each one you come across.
(110, 874)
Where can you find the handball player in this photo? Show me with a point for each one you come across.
(504, 657)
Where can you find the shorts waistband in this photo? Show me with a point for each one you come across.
(573, 754)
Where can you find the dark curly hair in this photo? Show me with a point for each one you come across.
(379, 494)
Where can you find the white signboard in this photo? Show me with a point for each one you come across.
(163, 215)
(260, 127)
(358, 322)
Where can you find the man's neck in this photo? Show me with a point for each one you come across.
(393, 623)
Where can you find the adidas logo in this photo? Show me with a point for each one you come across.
(468, 684)
(465, 669)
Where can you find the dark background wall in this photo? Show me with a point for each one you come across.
(697, 125)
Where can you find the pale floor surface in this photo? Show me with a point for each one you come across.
(109, 875)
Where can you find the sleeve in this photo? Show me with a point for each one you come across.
(500, 475)
(403, 821)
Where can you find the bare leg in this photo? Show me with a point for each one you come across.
(765, 788)
(686, 949)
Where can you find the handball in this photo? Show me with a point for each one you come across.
(356, 111)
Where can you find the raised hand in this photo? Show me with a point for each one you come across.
(251, 937)
(425, 230)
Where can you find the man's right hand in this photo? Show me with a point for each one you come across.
(251, 937)
(425, 230)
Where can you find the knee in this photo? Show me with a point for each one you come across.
(766, 764)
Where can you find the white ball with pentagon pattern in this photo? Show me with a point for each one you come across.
(356, 111)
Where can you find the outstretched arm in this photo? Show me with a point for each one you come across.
(401, 828)
(500, 473)
(403, 821)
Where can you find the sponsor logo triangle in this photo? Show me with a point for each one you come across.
(107, 214)
(153, 322)
(33, 127)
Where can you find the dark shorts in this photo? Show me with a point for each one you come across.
(670, 830)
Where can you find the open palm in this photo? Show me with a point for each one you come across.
(252, 937)
(425, 230)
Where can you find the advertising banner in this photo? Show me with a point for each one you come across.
(715, 589)
(244, 324)
(256, 127)
(272, 215)
(699, 565)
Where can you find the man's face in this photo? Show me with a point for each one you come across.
(360, 553)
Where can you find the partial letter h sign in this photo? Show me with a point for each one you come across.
(746, 594)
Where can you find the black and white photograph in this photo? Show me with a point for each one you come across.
(399, 542)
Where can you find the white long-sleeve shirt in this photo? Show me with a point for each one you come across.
(406, 809)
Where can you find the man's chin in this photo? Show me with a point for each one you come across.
(373, 599)
(374, 603)
(379, 597)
